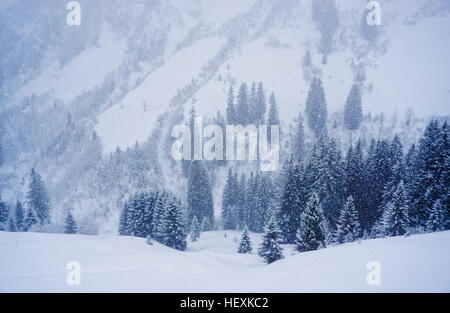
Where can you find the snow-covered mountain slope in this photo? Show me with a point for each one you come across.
(35, 262)
(134, 68)
(153, 51)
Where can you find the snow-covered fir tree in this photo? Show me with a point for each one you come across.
(231, 109)
(31, 219)
(270, 248)
(11, 225)
(291, 206)
(437, 219)
(353, 109)
(395, 217)
(349, 228)
(242, 105)
(38, 198)
(245, 246)
(4, 214)
(70, 226)
(195, 230)
(311, 233)
(228, 202)
(19, 216)
(174, 230)
(199, 194)
(316, 108)
(430, 166)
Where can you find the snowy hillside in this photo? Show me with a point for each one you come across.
(33, 262)
(91, 107)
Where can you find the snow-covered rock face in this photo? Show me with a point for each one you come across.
(183, 53)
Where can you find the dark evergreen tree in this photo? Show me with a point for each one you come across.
(38, 198)
(264, 201)
(430, 165)
(11, 225)
(349, 228)
(245, 246)
(31, 219)
(270, 248)
(437, 218)
(353, 109)
(260, 105)
(395, 216)
(397, 170)
(291, 206)
(316, 108)
(174, 231)
(4, 214)
(229, 201)
(298, 145)
(20, 216)
(242, 106)
(272, 117)
(70, 226)
(312, 229)
(231, 109)
(355, 177)
(199, 197)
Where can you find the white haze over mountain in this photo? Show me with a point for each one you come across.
(132, 68)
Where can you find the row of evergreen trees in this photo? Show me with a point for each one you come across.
(249, 107)
(379, 191)
(157, 214)
(247, 201)
(376, 192)
(38, 208)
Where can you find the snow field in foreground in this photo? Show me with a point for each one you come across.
(35, 262)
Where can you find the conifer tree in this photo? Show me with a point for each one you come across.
(270, 248)
(260, 104)
(70, 226)
(31, 219)
(11, 225)
(228, 201)
(348, 226)
(437, 219)
(4, 214)
(353, 109)
(290, 207)
(231, 109)
(316, 108)
(19, 215)
(395, 216)
(273, 118)
(312, 229)
(199, 197)
(38, 198)
(242, 105)
(245, 245)
(174, 231)
(429, 167)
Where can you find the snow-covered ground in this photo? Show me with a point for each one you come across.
(34, 262)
